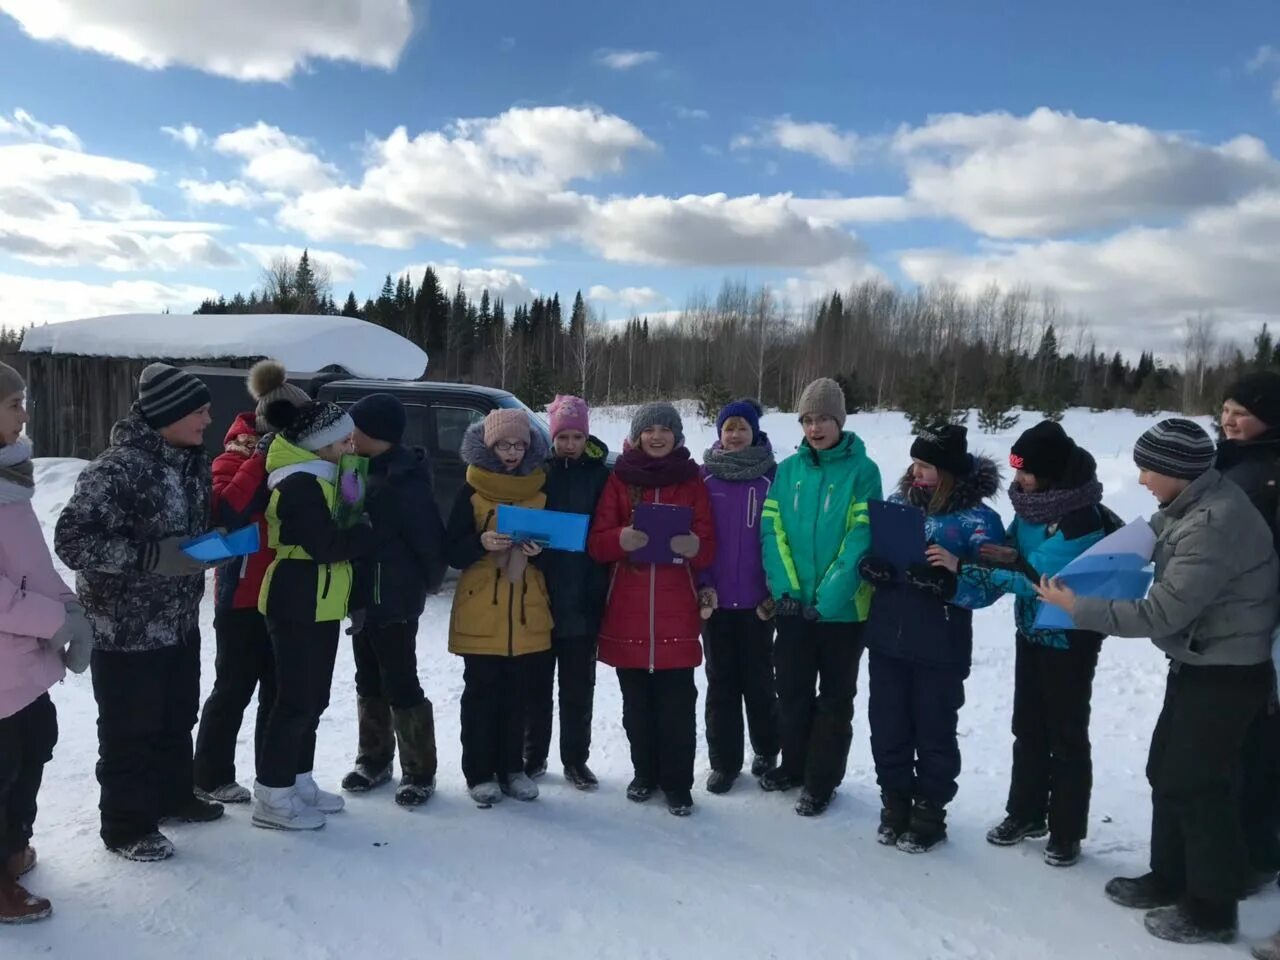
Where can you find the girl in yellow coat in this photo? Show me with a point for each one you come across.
(501, 613)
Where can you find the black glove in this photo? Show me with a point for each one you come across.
(936, 581)
(877, 570)
(787, 607)
(264, 443)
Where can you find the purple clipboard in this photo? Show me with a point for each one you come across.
(661, 521)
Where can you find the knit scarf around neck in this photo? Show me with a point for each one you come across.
(751, 463)
(1050, 506)
(636, 468)
(505, 487)
(17, 474)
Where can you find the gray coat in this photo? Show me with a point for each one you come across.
(1214, 600)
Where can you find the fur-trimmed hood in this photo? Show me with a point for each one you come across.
(981, 483)
(475, 454)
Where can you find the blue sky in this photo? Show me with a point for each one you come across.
(1121, 155)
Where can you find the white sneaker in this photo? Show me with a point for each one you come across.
(227, 793)
(280, 808)
(486, 794)
(313, 796)
(521, 786)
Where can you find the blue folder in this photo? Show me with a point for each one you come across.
(550, 528)
(897, 535)
(215, 547)
(1107, 576)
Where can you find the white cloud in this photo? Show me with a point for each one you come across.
(856, 209)
(1051, 173)
(625, 59)
(217, 193)
(276, 160)
(66, 240)
(23, 126)
(341, 267)
(1265, 56)
(103, 185)
(631, 297)
(818, 283)
(692, 113)
(511, 288)
(189, 136)
(241, 39)
(33, 299)
(821, 140)
(518, 261)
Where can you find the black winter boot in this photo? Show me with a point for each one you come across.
(1011, 830)
(760, 765)
(895, 817)
(580, 775)
(719, 782)
(1194, 921)
(639, 790)
(812, 806)
(1140, 893)
(679, 803)
(415, 730)
(927, 829)
(376, 748)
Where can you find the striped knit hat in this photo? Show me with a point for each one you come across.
(167, 394)
(1175, 448)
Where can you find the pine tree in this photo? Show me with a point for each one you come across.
(855, 397)
(306, 295)
(535, 387)
(1264, 349)
(460, 336)
(926, 401)
(351, 308)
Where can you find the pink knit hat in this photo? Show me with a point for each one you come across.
(568, 413)
(502, 425)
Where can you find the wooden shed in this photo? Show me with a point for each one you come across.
(82, 376)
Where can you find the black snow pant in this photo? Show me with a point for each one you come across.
(660, 715)
(576, 659)
(914, 710)
(244, 663)
(305, 655)
(27, 740)
(817, 728)
(1197, 842)
(147, 705)
(1260, 797)
(739, 651)
(1052, 755)
(495, 694)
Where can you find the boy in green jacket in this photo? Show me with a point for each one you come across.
(815, 528)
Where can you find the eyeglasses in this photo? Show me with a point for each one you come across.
(808, 422)
(511, 446)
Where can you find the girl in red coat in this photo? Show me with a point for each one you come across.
(652, 623)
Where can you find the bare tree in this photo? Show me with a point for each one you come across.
(1199, 339)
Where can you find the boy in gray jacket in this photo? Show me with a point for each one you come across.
(1211, 611)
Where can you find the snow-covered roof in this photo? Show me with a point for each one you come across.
(300, 342)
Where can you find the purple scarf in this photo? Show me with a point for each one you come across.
(637, 469)
(1050, 506)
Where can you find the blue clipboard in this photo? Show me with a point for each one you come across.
(217, 547)
(550, 528)
(1111, 576)
(897, 535)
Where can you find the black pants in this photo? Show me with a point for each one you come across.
(660, 715)
(739, 650)
(817, 728)
(576, 659)
(1260, 798)
(1197, 843)
(147, 704)
(914, 709)
(495, 692)
(27, 740)
(244, 663)
(1052, 756)
(305, 655)
(386, 656)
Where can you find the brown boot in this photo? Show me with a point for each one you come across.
(416, 734)
(377, 746)
(19, 906)
(21, 863)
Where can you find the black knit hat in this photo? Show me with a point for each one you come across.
(312, 427)
(1044, 451)
(1175, 448)
(167, 394)
(380, 416)
(1259, 393)
(945, 446)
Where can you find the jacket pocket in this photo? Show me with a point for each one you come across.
(475, 613)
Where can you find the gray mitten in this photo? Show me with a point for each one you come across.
(77, 634)
(166, 559)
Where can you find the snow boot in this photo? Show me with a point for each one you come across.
(1011, 831)
(376, 746)
(679, 803)
(281, 808)
(535, 769)
(1062, 853)
(151, 848)
(195, 810)
(639, 790)
(21, 863)
(1139, 893)
(928, 828)
(363, 779)
(1194, 921)
(17, 905)
(720, 782)
(778, 780)
(1268, 949)
(227, 793)
(313, 796)
(895, 817)
(486, 794)
(580, 775)
(414, 792)
(811, 806)
(519, 786)
(760, 765)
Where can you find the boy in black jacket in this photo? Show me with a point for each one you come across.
(390, 593)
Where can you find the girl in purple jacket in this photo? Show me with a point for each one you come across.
(733, 594)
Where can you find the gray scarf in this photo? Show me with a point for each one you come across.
(17, 475)
(741, 465)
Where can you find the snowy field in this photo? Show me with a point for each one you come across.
(592, 875)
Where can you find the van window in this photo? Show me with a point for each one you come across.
(451, 427)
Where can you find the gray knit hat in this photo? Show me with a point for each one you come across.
(1175, 448)
(657, 415)
(11, 382)
(268, 382)
(823, 398)
(167, 394)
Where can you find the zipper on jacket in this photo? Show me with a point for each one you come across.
(524, 592)
(653, 599)
(377, 584)
(328, 581)
(511, 626)
(752, 502)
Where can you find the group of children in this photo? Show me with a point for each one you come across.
(781, 548)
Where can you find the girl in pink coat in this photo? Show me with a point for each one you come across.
(42, 629)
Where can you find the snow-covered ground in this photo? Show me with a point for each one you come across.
(592, 875)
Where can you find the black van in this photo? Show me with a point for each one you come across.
(438, 414)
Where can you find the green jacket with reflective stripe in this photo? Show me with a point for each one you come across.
(815, 528)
